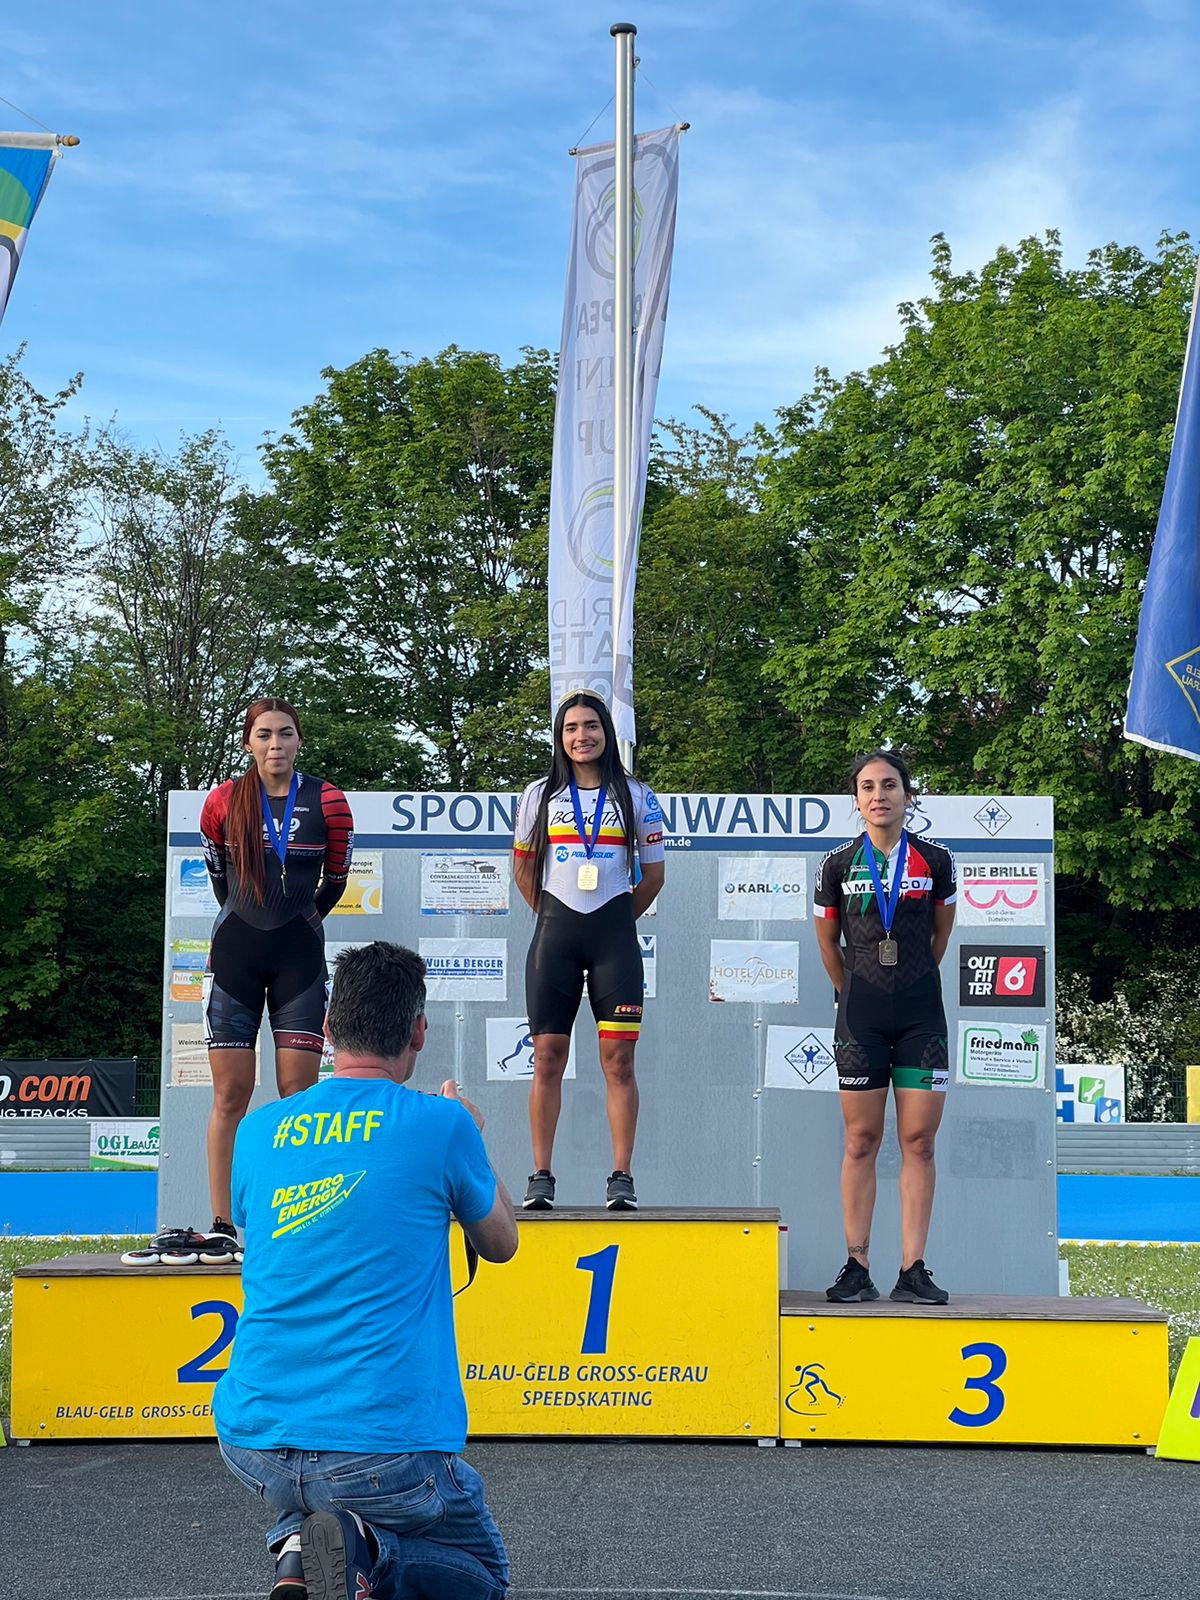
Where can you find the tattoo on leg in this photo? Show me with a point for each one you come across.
(860, 1249)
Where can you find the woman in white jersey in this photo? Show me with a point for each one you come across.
(574, 863)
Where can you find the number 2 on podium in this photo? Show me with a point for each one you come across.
(986, 1384)
(603, 1267)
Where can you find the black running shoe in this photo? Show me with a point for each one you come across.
(289, 1572)
(621, 1196)
(337, 1563)
(916, 1286)
(853, 1283)
(220, 1245)
(539, 1191)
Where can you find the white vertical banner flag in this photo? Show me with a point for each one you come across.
(586, 598)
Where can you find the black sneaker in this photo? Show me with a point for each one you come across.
(853, 1283)
(539, 1191)
(620, 1193)
(289, 1572)
(333, 1550)
(220, 1245)
(916, 1286)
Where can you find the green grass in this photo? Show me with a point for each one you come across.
(1167, 1277)
(1164, 1276)
(17, 1252)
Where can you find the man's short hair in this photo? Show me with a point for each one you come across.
(378, 993)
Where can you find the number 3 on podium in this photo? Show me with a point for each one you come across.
(985, 1383)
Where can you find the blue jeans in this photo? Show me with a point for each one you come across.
(436, 1536)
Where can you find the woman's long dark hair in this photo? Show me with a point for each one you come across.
(244, 822)
(612, 776)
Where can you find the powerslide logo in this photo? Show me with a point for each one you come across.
(296, 1205)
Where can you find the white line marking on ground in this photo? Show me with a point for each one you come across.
(522, 1593)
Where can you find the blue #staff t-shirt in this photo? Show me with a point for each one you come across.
(346, 1342)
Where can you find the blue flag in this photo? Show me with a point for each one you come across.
(24, 174)
(1164, 691)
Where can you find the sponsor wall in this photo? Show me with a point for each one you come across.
(736, 1066)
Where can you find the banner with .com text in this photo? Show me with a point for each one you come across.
(587, 600)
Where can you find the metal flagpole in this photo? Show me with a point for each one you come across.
(36, 141)
(623, 34)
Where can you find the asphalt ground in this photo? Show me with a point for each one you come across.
(165, 1521)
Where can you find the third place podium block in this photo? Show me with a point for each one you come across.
(986, 1369)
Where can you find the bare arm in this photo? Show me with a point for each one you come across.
(523, 878)
(943, 921)
(494, 1236)
(651, 882)
(829, 946)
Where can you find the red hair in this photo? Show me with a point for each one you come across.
(244, 827)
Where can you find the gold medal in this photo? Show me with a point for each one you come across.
(588, 876)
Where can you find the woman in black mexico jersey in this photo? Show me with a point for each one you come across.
(576, 830)
(277, 844)
(884, 910)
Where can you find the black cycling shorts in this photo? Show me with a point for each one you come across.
(601, 947)
(900, 1038)
(281, 968)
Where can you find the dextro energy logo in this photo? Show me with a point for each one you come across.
(296, 1205)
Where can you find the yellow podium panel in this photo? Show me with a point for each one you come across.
(652, 1322)
(102, 1351)
(1179, 1435)
(987, 1369)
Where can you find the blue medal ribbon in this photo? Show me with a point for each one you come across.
(279, 836)
(887, 905)
(589, 845)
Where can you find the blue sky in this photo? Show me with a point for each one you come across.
(264, 189)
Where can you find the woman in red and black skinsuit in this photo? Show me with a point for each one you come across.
(277, 844)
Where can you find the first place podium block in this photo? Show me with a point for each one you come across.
(658, 1322)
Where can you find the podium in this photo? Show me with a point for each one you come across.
(665, 1323)
(986, 1369)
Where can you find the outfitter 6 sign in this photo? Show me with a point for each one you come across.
(1002, 975)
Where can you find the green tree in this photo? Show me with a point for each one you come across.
(412, 497)
(181, 615)
(973, 519)
(711, 572)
